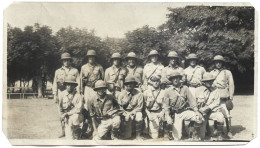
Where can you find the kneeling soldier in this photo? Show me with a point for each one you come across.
(71, 104)
(180, 102)
(212, 108)
(153, 98)
(131, 101)
(104, 112)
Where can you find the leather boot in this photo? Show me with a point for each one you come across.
(220, 131)
(139, 130)
(169, 131)
(62, 130)
(196, 132)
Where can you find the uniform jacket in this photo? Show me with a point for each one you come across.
(150, 70)
(137, 72)
(164, 78)
(71, 102)
(194, 75)
(115, 74)
(154, 99)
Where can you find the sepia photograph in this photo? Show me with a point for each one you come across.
(117, 73)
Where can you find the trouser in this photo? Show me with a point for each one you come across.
(154, 125)
(107, 125)
(216, 117)
(89, 93)
(186, 115)
(73, 126)
(127, 126)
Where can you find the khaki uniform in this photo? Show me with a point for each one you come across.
(164, 78)
(115, 75)
(224, 82)
(131, 102)
(59, 77)
(72, 103)
(105, 114)
(149, 71)
(181, 102)
(136, 72)
(154, 100)
(194, 77)
(88, 76)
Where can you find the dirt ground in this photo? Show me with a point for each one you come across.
(39, 119)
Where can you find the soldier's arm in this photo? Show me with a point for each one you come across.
(102, 72)
(231, 85)
(191, 99)
(140, 104)
(78, 81)
(166, 104)
(106, 78)
(81, 81)
(78, 106)
(54, 85)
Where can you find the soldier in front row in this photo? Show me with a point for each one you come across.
(71, 104)
(58, 82)
(180, 102)
(154, 99)
(104, 112)
(131, 101)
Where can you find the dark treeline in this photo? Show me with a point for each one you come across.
(34, 51)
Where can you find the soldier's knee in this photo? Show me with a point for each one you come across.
(116, 121)
(220, 118)
(139, 117)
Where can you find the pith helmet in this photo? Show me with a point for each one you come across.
(100, 84)
(65, 55)
(219, 58)
(70, 79)
(173, 73)
(116, 56)
(131, 55)
(130, 79)
(192, 56)
(91, 53)
(153, 52)
(173, 54)
(207, 77)
(155, 78)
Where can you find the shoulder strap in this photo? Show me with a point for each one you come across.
(193, 73)
(152, 72)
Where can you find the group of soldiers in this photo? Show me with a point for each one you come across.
(131, 102)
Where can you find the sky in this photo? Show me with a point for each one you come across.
(107, 19)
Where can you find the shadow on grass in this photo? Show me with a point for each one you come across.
(235, 129)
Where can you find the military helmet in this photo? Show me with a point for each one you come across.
(173, 73)
(173, 54)
(65, 55)
(192, 56)
(116, 55)
(70, 79)
(91, 53)
(155, 78)
(130, 79)
(153, 52)
(100, 84)
(207, 77)
(131, 55)
(219, 58)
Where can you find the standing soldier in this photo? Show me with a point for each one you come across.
(173, 64)
(154, 98)
(104, 113)
(58, 82)
(71, 104)
(133, 69)
(131, 101)
(180, 102)
(115, 73)
(225, 84)
(194, 73)
(90, 73)
(151, 69)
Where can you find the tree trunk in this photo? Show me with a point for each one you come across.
(39, 85)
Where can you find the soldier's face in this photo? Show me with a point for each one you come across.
(193, 62)
(130, 86)
(116, 62)
(131, 62)
(156, 84)
(176, 81)
(70, 87)
(101, 91)
(173, 61)
(66, 62)
(218, 64)
(208, 83)
(154, 58)
(91, 59)
(111, 87)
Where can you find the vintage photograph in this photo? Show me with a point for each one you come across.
(129, 73)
